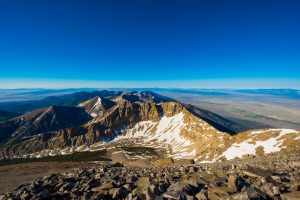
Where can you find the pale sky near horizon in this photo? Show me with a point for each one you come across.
(208, 83)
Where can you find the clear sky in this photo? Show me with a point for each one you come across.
(188, 43)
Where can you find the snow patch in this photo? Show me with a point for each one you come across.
(249, 146)
(93, 111)
(164, 132)
(96, 108)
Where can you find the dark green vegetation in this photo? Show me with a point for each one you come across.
(147, 151)
(5, 115)
(75, 157)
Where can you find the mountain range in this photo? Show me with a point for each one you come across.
(112, 120)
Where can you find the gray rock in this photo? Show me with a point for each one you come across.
(216, 181)
(174, 195)
(45, 194)
(93, 183)
(118, 193)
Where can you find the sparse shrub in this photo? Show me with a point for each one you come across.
(75, 157)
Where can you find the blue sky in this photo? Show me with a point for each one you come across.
(191, 43)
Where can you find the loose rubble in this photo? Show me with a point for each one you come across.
(115, 181)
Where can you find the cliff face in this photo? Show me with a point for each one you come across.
(140, 119)
(125, 115)
(97, 106)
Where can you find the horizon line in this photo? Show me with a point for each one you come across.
(124, 88)
(228, 83)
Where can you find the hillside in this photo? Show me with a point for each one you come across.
(135, 119)
(5, 115)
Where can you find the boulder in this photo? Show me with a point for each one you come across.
(295, 195)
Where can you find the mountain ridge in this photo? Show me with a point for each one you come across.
(180, 131)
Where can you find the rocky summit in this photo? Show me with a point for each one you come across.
(231, 180)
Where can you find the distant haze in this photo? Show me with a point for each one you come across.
(206, 83)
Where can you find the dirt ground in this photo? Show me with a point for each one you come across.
(120, 157)
(11, 176)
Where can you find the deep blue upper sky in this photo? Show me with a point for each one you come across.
(146, 40)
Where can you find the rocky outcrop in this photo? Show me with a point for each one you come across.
(115, 181)
(97, 106)
(41, 121)
(32, 131)
(145, 97)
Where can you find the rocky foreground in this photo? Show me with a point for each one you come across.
(110, 180)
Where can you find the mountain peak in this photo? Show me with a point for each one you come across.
(97, 106)
(43, 120)
(144, 96)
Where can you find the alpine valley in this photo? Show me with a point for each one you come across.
(133, 126)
